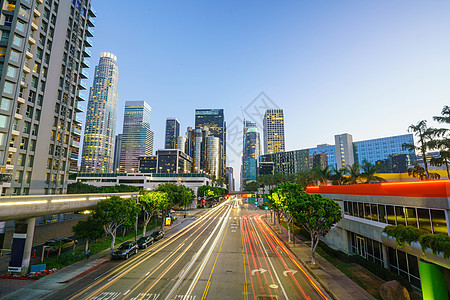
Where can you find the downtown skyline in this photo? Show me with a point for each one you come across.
(367, 66)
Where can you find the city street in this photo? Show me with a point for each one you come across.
(226, 253)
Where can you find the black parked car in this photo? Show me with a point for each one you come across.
(125, 250)
(157, 235)
(145, 241)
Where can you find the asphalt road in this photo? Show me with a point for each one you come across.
(227, 253)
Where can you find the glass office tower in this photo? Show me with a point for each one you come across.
(251, 152)
(43, 48)
(100, 131)
(172, 133)
(214, 120)
(273, 127)
(137, 138)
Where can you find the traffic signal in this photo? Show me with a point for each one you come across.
(266, 207)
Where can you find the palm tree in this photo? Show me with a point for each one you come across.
(304, 178)
(369, 171)
(424, 133)
(417, 171)
(353, 173)
(338, 175)
(321, 174)
(442, 144)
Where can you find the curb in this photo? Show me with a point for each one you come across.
(17, 278)
(305, 265)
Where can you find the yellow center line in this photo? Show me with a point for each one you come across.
(205, 292)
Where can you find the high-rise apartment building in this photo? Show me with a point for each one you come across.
(250, 152)
(43, 48)
(273, 127)
(181, 143)
(212, 144)
(100, 130)
(214, 120)
(172, 133)
(137, 138)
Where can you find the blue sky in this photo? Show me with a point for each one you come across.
(368, 68)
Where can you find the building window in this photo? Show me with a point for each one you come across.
(9, 87)
(4, 121)
(20, 26)
(17, 41)
(405, 265)
(5, 104)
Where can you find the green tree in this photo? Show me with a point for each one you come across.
(304, 178)
(338, 176)
(353, 173)
(174, 195)
(417, 171)
(442, 144)
(316, 214)
(81, 188)
(89, 229)
(322, 175)
(251, 186)
(115, 212)
(151, 203)
(369, 171)
(280, 198)
(424, 134)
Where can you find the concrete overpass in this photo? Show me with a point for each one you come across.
(25, 209)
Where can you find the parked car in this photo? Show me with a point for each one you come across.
(145, 241)
(125, 250)
(157, 235)
(53, 245)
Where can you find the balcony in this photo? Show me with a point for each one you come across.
(81, 96)
(90, 22)
(88, 42)
(82, 85)
(75, 144)
(89, 31)
(85, 64)
(79, 108)
(84, 74)
(92, 12)
(76, 131)
(86, 52)
(74, 156)
(78, 120)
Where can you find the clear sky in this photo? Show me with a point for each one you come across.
(368, 68)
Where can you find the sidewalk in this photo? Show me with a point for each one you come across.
(336, 284)
(24, 289)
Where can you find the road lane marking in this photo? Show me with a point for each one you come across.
(126, 292)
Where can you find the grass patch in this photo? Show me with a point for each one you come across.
(73, 256)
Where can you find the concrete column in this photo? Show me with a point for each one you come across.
(21, 246)
(432, 280)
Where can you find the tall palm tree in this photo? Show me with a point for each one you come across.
(304, 178)
(417, 171)
(442, 144)
(424, 134)
(338, 175)
(353, 173)
(368, 172)
(322, 174)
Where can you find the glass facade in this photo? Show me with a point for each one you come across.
(432, 220)
(137, 138)
(214, 120)
(172, 133)
(405, 265)
(273, 124)
(378, 150)
(101, 115)
(251, 152)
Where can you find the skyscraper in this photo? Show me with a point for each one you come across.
(251, 152)
(100, 131)
(172, 133)
(214, 120)
(42, 49)
(137, 138)
(117, 149)
(273, 124)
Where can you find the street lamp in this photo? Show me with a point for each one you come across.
(292, 221)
